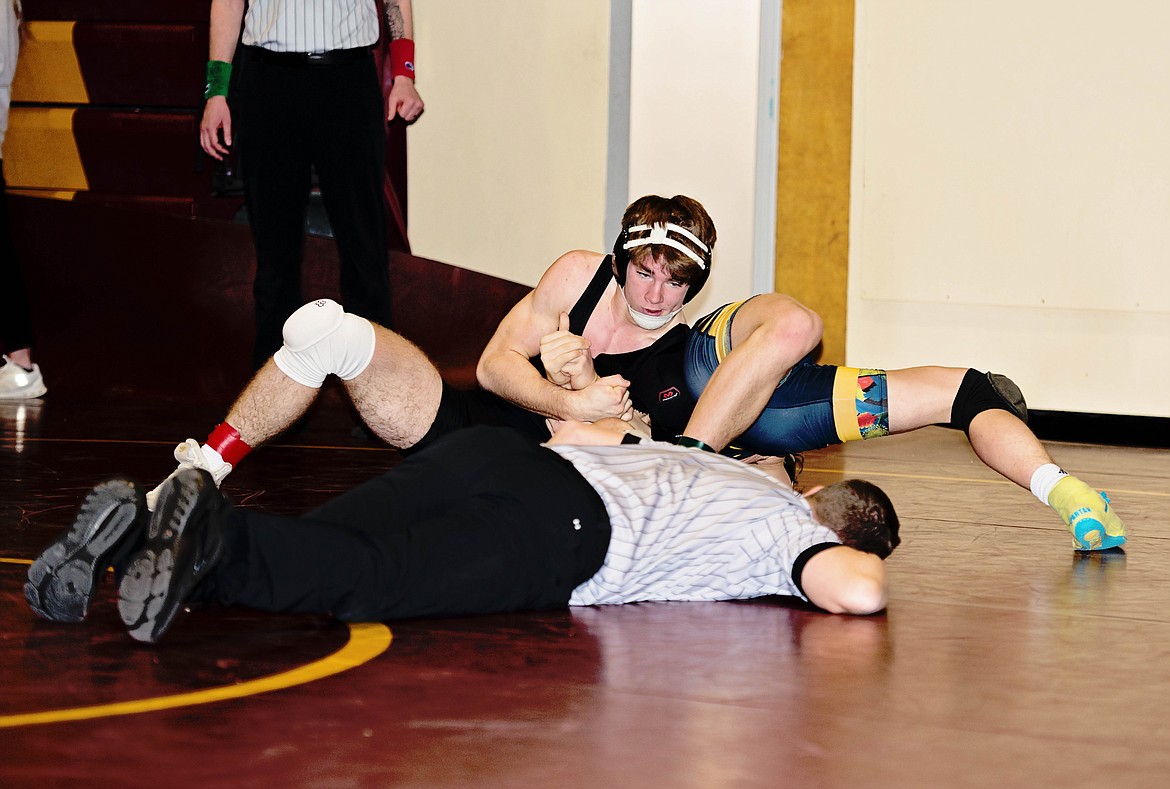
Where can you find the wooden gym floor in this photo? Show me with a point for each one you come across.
(1004, 659)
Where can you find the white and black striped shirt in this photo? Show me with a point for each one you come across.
(310, 25)
(691, 525)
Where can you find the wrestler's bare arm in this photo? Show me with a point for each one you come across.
(504, 367)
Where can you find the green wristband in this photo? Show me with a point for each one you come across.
(219, 74)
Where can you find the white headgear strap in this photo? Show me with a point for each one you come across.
(661, 234)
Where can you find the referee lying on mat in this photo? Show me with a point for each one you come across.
(483, 521)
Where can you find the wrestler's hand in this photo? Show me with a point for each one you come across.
(216, 116)
(403, 100)
(566, 358)
(640, 424)
(605, 397)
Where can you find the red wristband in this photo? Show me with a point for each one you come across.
(402, 58)
(226, 440)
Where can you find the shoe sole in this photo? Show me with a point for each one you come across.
(151, 593)
(28, 394)
(63, 580)
(1089, 534)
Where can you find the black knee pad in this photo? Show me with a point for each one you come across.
(981, 392)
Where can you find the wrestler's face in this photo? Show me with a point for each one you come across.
(651, 290)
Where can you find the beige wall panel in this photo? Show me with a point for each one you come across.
(507, 164)
(1011, 186)
(693, 114)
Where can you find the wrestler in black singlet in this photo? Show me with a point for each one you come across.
(656, 373)
(657, 382)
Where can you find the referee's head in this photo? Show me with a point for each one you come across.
(860, 513)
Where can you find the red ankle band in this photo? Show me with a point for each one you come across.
(226, 440)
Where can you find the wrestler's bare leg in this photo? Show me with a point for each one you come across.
(398, 394)
(920, 396)
(770, 334)
(269, 405)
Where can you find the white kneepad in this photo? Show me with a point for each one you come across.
(321, 338)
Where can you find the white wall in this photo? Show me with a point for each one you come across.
(508, 165)
(1011, 195)
(693, 99)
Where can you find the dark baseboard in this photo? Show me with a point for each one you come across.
(1120, 430)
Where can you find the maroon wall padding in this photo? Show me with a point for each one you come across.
(153, 11)
(127, 303)
(142, 65)
(225, 208)
(143, 153)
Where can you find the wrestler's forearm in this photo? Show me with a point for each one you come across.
(513, 378)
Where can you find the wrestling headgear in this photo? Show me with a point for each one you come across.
(668, 234)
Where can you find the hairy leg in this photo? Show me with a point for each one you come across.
(770, 333)
(269, 404)
(398, 394)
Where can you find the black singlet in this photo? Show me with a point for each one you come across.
(657, 381)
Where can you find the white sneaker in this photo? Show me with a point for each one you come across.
(191, 455)
(17, 383)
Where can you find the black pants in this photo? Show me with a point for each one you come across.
(15, 325)
(484, 521)
(293, 117)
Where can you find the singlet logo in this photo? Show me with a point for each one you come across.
(668, 394)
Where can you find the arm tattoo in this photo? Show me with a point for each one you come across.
(394, 20)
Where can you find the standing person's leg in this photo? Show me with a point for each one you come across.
(275, 167)
(15, 321)
(349, 150)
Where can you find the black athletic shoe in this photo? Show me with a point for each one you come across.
(183, 544)
(64, 578)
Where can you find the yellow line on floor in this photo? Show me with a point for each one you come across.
(939, 478)
(366, 641)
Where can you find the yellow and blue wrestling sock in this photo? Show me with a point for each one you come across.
(1094, 525)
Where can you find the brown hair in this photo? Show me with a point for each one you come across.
(860, 513)
(686, 212)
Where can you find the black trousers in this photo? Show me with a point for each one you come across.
(484, 521)
(15, 325)
(293, 117)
